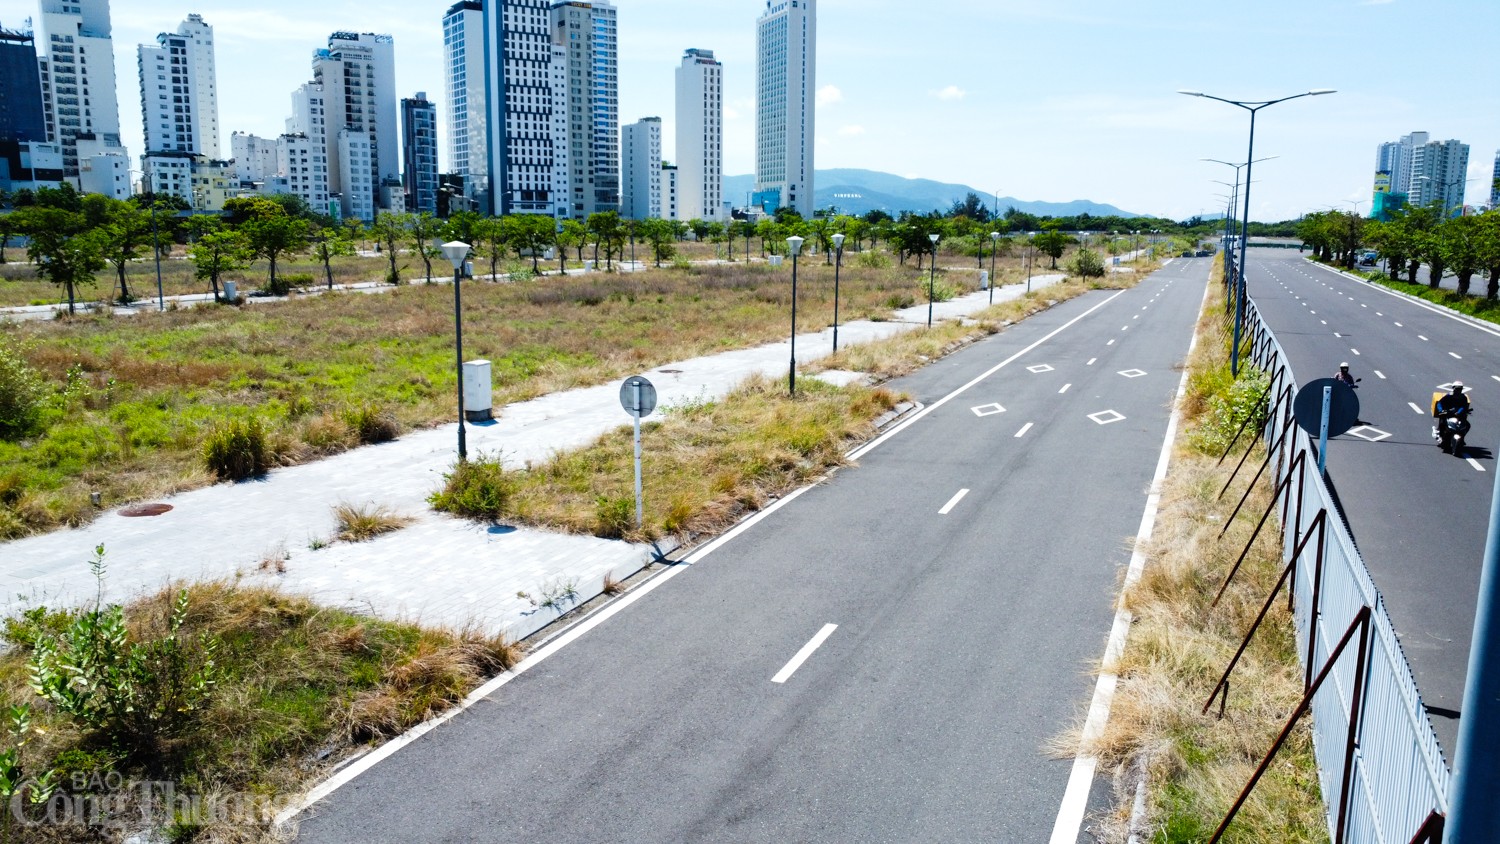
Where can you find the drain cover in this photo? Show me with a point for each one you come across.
(136, 510)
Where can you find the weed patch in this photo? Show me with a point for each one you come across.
(361, 523)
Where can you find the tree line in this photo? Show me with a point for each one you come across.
(1465, 246)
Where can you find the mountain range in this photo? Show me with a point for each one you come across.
(858, 192)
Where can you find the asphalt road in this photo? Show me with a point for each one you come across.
(966, 627)
(1419, 516)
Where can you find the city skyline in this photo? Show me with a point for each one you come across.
(1066, 102)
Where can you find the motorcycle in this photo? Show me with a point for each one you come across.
(1450, 433)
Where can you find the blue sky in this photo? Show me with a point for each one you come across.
(1038, 99)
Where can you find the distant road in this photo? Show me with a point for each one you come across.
(883, 658)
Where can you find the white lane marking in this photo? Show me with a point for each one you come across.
(1356, 351)
(1455, 356)
(1325, 322)
(1336, 334)
(1475, 464)
(1110, 343)
(1413, 406)
(1040, 368)
(1378, 313)
(1106, 417)
(807, 650)
(1075, 799)
(1398, 325)
(953, 502)
(1064, 388)
(1137, 316)
(1124, 328)
(990, 409)
(880, 440)
(1362, 304)
(1024, 428)
(1496, 377)
(1420, 337)
(1091, 363)
(1314, 313)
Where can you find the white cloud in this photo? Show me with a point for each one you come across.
(829, 94)
(851, 130)
(952, 92)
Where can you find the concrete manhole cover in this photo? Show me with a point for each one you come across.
(137, 510)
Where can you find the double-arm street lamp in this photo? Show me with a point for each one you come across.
(794, 246)
(1251, 106)
(456, 251)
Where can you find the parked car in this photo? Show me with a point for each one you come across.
(1186, 255)
(1367, 259)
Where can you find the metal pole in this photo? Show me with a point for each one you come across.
(636, 414)
(838, 263)
(1474, 813)
(1323, 433)
(1239, 310)
(161, 300)
(458, 326)
(791, 378)
(931, 282)
(994, 247)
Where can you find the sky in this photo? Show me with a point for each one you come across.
(1042, 100)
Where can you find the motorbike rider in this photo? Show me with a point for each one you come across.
(1343, 375)
(1455, 405)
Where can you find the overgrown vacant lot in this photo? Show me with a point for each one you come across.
(129, 402)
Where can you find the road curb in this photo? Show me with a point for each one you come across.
(1484, 325)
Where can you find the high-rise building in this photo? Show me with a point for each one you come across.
(640, 169)
(302, 156)
(78, 85)
(358, 75)
(463, 61)
(419, 166)
(669, 205)
(254, 157)
(27, 160)
(587, 32)
(103, 165)
(526, 110)
(356, 154)
(785, 81)
(700, 135)
(1495, 183)
(1438, 174)
(179, 95)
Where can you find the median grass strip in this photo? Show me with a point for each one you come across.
(704, 465)
(1196, 764)
(1480, 307)
(236, 693)
(140, 407)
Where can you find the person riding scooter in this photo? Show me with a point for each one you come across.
(1454, 406)
(1343, 376)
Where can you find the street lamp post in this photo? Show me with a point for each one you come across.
(794, 245)
(1251, 106)
(456, 251)
(931, 277)
(161, 299)
(994, 247)
(1030, 250)
(1229, 218)
(838, 263)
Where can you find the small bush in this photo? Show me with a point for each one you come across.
(873, 260)
(613, 516)
(476, 489)
(237, 449)
(371, 423)
(1228, 409)
(357, 524)
(1086, 264)
(21, 395)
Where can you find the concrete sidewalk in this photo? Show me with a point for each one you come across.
(440, 570)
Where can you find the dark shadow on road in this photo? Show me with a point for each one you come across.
(1440, 712)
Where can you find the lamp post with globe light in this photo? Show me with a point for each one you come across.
(931, 277)
(794, 245)
(994, 247)
(456, 251)
(838, 262)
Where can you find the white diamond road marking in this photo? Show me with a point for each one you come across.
(1039, 368)
(987, 409)
(1367, 432)
(1104, 417)
(1131, 373)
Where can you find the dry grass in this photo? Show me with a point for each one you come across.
(361, 523)
(301, 687)
(611, 585)
(1178, 647)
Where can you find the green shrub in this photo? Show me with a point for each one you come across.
(873, 260)
(1086, 264)
(21, 395)
(475, 489)
(371, 423)
(237, 449)
(1228, 409)
(613, 516)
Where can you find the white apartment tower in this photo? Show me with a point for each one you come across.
(463, 63)
(1438, 173)
(179, 96)
(1495, 183)
(302, 159)
(525, 110)
(358, 75)
(640, 169)
(77, 61)
(587, 31)
(254, 156)
(786, 41)
(419, 157)
(356, 154)
(700, 135)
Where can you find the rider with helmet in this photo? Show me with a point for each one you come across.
(1456, 406)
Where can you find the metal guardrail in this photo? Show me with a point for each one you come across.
(1379, 763)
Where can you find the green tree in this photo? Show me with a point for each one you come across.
(217, 252)
(658, 233)
(331, 241)
(1052, 243)
(532, 233)
(426, 232)
(1087, 263)
(8, 230)
(61, 246)
(122, 230)
(970, 207)
(575, 236)
(1489, 250)
(461, 226)
(608, 234)
(270, 233)
(490, 241)
(390, 231)
(1459, 241)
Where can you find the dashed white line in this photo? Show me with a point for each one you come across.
(1091, 362)
(1381, 375)
(807, 650)
(1110, 343)
(1399, 325)
(1356, 351)
(953, 502)
(1064, 388)
(1475, 464)
(1455, 356)
(1024, 428)
(1421, 337)
(1413, 406)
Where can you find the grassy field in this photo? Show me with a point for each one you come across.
(1195, 763)
(130, 401)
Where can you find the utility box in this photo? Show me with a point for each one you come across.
(231, 291)
(775, 260)
(984, 279)
(478, 392)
